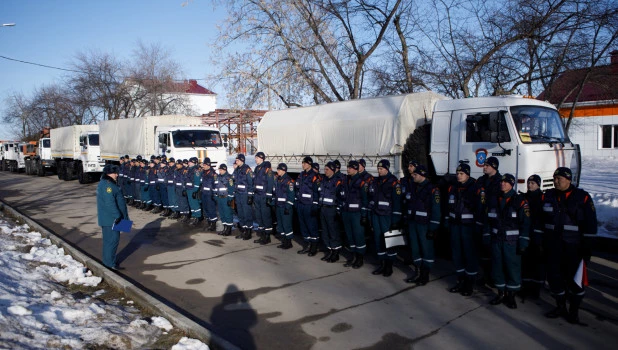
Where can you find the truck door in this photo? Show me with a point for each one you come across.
(164, 142)
(485, 133)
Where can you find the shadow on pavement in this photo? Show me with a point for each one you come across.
(233, 317)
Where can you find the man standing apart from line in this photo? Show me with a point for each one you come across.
(569, 219)
(111, 208)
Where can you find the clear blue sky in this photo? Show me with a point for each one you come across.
(52, 32)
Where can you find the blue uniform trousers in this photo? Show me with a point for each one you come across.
(563, 260)
(171, 197)
(245, 214)
(110, 246)
(137, 191)
(464, 249)
(164, 197)
(422, 248)
(284, 223)
(194, 203)
(331, 230)
(145, 194)
(209, 206)
(308, 223)
(183, 204)
(127, 188)
(225, 212)
(155, 195)
(506, 265)
(354, 231)
(262, 212)
(381, 224)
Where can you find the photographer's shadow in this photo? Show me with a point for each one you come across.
(233, 318)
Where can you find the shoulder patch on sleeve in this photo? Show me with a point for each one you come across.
(108, 190)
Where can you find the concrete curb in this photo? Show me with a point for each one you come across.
(130, 290)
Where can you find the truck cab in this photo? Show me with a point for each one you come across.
(526, 135)
(182, 142)
(10, 156)
(90, 157)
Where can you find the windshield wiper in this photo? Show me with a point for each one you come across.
(551, 140)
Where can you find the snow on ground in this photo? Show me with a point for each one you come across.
(600, 178)
(39, 311)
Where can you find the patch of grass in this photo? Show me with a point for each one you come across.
(166, 341)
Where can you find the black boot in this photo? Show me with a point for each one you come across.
(305, 249)
(313, 249)
(468, 287)
(213, 226)
(424, 278)
(509, 300)
(498, 299)
(352, 260)
(388, 268)
(265, 237)
(194, 221)
(241, 233)
(334, 256)
(359, 261)
(535, 290)
(247, 235)
(176, 215)
(228, 230)
(380, 269)
(560, 310)
(417, 276)
(575, 302)
(327, 256)
(457, 288)
(186, 218)
(157, 210)
(285, 243)
(259, 233)
(167, 212)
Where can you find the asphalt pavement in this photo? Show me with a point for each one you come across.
(261, 297)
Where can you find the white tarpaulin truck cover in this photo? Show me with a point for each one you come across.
(136, 136)
(359, 127)
(65, 140)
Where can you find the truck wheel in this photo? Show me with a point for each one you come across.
(417, 148)
(68, 171)
(14, 167)
(28, 171)
(3, 165)
(81, 176)
(61, 166)
(40, 169)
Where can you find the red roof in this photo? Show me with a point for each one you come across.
(195, 88)
(602, 84)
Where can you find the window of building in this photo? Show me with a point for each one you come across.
(609, 136)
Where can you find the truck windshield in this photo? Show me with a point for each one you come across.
(538, 124)
(46, 143)
(196, 138)
(93, 139)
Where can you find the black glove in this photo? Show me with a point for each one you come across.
(250, 200)
(117, 221)
(229, 202)
(146, 189)
(286, 211)
(314, 209)
(184, 193)
(338, 213)
(431, 234)
(157, 187)
(364, 221)
(269, 202)
(194, 195)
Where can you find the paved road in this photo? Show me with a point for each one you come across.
(262, 297)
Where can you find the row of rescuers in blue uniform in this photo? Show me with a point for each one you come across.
(542, 232)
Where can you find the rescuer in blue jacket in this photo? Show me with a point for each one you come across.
(243, 194)
(307, 196)
(509, 225)
(488, 189)
(284, 205)
(330, 212)
(385, 206)
(181, 192)
(354, 214)
(209, 204)
(192, 183)
(162, 188)
(423, 220)
(570, 223)
(264, 184)
(462, 208)
(171, 189)
(224, 191)
(532, 262)
(111, 208)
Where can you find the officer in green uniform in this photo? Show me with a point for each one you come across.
(111, 208)
(508, 225)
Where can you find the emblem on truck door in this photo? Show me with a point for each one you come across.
(481, 157)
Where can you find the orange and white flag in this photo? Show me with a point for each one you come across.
(581, 276)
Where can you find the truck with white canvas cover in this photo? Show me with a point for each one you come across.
(75, 151)
(177, 136)
(526, 135)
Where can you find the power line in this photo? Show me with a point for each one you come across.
(65, 69)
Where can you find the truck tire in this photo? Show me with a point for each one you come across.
(3, 165)
(61, 167)
(417, 148)
(40, 169)
(27, 171)
(14, 166)
(82, 177)
(68, 171)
